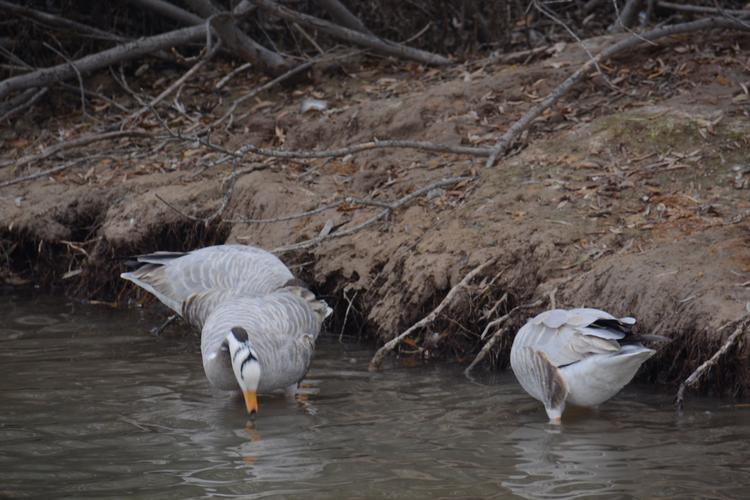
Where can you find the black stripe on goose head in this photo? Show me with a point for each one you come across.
(240, 334)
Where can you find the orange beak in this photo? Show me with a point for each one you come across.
(251, 402)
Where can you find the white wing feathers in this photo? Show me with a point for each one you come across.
(567, 336)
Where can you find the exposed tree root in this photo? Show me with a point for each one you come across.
(696, 377)
(497, 323)
(380, 354)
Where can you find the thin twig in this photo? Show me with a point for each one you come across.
(366, 146)
(372, 220)
(505, 141)
(76, 143)
(78, 76)
(30, 102)
(346, 315)
(695, 377)
(377, 359)
(487, 347)
(219, 211)
(232, 74)
(699, 9)
(48, 172)
(98, 95)
(177, 210)
(285, 76)
(177, 83)
(227, 195)
(285, 218)
(46, 17)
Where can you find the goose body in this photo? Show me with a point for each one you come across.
(580, 356)
(258, 328)
(282, 328)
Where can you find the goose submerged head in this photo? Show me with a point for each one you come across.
(246, 366)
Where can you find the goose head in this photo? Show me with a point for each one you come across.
(245, 365)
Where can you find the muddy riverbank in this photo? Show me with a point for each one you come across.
(630, 195)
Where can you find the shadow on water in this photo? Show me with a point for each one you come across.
(92, 405)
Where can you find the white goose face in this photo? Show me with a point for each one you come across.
(246, 366)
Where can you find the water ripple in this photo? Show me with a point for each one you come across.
(94, 406)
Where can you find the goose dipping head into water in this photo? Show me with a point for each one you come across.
(577, 356)
(258, 326)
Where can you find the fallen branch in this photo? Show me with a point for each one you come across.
(232, 74)
(76, 143)
(171, 11)
(343, 16)
(365, 146)
(37, 94)
(694, 379)
(372, 220)
(91, 93)
(131, 50)
(225, 25)
(331, 153)
(355, 37)
(628, 16)
(377, 359)
(47, 172)
(61, 22)
(505, 141)
(699, 9)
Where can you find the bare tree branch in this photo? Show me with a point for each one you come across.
(695, 377)
(87, 64)
(76, 143)
(384, 46)
(504, 142)
(48, 172)
(343, 16)
(225, 26)
(27, 103)
(245, 47)
(699, 9)
(358, 148)
(54, 20)
(171, 11)
(628, 16)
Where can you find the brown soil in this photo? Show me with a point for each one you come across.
(632, 199)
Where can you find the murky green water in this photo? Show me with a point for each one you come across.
(93, 406)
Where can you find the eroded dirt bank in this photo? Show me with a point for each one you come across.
(630, 195)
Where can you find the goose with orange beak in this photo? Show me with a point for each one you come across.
(258, 345)
(258, 326)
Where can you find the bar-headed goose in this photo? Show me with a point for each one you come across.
(579, 356)
(258, 328)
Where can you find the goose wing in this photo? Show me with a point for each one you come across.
(172, 276)
(567, 336)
